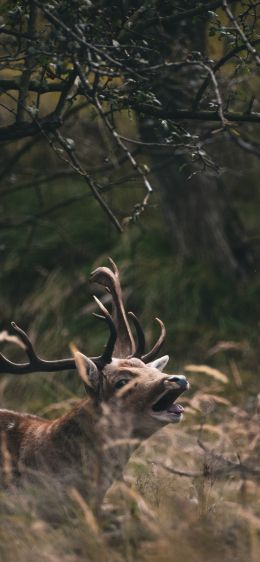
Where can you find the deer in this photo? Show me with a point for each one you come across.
(128, 398)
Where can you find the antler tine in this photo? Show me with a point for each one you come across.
(35, 364)
(106, 356)
(115, 268)
(7, 366)
(156, 348)
(109, 278)
(26, 341)
(140, 336)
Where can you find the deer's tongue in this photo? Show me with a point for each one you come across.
(175, 409)
(167, 401)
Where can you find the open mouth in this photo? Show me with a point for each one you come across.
(166, 409)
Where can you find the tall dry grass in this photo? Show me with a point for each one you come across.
(189, 493)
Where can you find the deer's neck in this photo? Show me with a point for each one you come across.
(76, 432)
(95, 444)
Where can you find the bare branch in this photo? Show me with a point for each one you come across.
(115, 134)
(190, 115)
(89, 180)
(240, 31)
(28, 66)
(235, 51)
(22, 130)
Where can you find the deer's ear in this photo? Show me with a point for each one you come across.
(159, 363)
(87, 370)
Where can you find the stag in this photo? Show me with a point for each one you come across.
(128, 398)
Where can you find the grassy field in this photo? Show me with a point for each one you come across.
(189, 493)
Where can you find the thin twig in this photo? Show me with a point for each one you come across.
(116, 136)
(240, 31)
(89, 180)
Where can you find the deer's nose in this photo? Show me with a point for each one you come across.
(179, 379)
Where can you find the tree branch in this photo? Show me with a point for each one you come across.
(34, 86)
(144, 23)
(240, 31)
(28, 66)
(22, 130)
(190, 115)
(89, 180)
(216, 67)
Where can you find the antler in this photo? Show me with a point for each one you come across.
(106, 356)
(120, 342)
(38, 365)
(157, 346)
(140, 336)
(124, 345)
(141, 340)
(35, 364)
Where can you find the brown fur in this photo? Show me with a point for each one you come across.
(89, 446)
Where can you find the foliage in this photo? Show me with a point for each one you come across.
(118, 61)
(100, 101)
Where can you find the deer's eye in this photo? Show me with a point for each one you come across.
(121, 383)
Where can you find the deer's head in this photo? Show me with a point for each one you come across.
(124, 377)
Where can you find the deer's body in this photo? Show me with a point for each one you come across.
(33, 442)
(129, 398)
(64, 449)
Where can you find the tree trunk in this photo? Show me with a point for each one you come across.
(199, 216)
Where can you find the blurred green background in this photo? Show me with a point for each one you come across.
(60, 235)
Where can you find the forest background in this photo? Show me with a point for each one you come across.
(131, 129)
